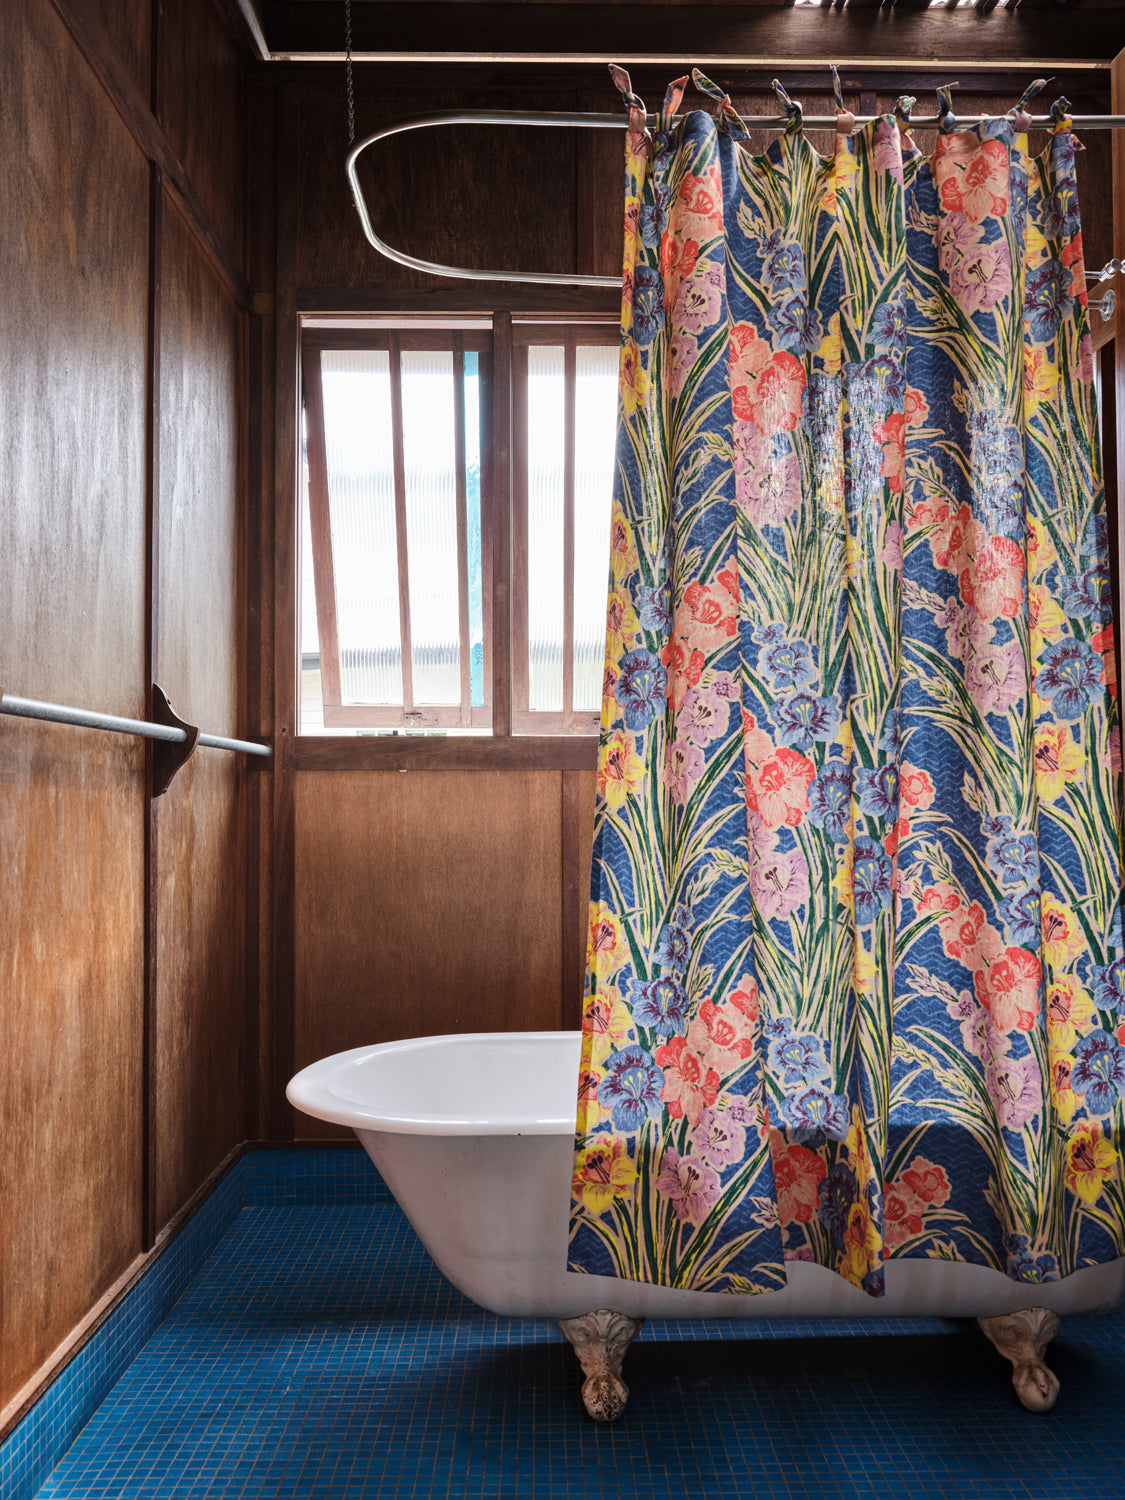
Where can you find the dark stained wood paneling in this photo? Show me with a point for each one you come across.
(128, 24)
(200, 894)
(449, 194)
(73, 265)
(425, 903)
(203, 110)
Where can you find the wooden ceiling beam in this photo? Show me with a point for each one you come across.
(446, 31)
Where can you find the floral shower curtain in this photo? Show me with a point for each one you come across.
(855, 986)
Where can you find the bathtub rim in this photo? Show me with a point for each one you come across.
(310, 1090)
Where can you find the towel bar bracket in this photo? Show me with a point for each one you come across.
(169, 756)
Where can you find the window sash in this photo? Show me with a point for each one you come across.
(503, 446)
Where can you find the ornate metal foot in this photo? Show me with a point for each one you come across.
(1023, 1337)
(600, 1340)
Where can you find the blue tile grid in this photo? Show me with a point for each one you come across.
(318, 1353)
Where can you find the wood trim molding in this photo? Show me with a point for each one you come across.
(101, 56)
(406, 753)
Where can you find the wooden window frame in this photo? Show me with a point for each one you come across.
(519, 736)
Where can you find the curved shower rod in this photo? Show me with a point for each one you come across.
(565, 121)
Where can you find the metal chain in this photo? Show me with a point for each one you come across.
(351, 85)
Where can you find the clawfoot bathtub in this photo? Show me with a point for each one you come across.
(474, 1136)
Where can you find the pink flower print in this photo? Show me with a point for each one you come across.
(691, 1085)
(719, 1140)
(982, 1039)
(689, 1184)
(708, 615)
(956, 236)
(772, 490)
(928, 1182)
(682, 769)
(915, 786)
(995, 678)
(779, 884)
(1016, 1088)
(993, 581)
(972, 176)
(1008, 988)
(729, 1032)
(967, 937)
(891, 433)
(891, 553)
(965, 631)
(703, 717)
(886, 154)
(697, 304)
(760, 839)
(683, 355)
(980, 278)
(778, 789)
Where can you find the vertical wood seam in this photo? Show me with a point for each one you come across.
(462, 504)
(402, 545)
(323, 563)
(501, 524)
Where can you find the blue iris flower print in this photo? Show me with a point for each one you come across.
(1085, 595)
(1070, 675)
(641, 687)
(653, 608)
(1099, 1072)
(788, 664)
(877, 791)
(1021, 913)
(1108, 984)
(660, 1004)
(871, 880)
(648, 304)
(1015, 858)
(1047, 299)
(816, 1113)
(675, 942)
(631, 1086)
(806, 717)
(798, 1059)
(830, 799)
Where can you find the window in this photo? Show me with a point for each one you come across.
(399, 575)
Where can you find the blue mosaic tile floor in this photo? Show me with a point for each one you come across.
(319, 1354)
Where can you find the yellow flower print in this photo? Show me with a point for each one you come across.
(1091, 1161)
(603, 1171)
(864, 969)
(1070, 1013)
(606, 948)
(858, 1154)
(621, 623)
(844, 882)
(1062, 936)
(844, 166)
(832, 345)
(621, 771)
(634, 382)
(1058, 760)
(1041, 551)
(607, 1023)
(863, 1246)
(1034, 243)
(622, 548)
(1048, 623)
(1040, 379)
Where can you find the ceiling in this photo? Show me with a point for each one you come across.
(970, 33)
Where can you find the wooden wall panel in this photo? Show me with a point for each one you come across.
(202, 109)
(129, 26)
(425, 903)
(200, 893)
(73, 267)
(479, 195)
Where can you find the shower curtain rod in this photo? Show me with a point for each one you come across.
(548, 118)
(170, 731)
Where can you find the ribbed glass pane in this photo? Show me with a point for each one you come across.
(472, 498)
(431, 524)
(545, 441)
(361, 506)
(595, 415)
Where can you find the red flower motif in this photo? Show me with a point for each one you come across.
(772, 400)
(915, 787)
(993, 581)
(972, 177)
(927, 1181)
(1009, 990)
(1103, 641)
(892, 435)
(778, 789)
(798, 1173)
(690, 1086)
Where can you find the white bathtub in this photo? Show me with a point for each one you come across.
(474, 1136)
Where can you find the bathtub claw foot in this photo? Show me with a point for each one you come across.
(600, 1340)
(1023, 1337)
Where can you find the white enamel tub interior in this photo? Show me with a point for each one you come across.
(474, 1136)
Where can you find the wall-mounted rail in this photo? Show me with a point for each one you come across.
(175, 739)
